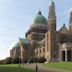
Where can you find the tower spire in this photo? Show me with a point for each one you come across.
(52, 31)
(70, 21)
(52, 10)
(52, 16)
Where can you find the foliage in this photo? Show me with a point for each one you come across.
(8, 60)
(41, 59)
(32, 60)
(36, 59)
(25, 61)
(1, 62)
(15, 60)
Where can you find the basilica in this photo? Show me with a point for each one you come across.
(44, 40)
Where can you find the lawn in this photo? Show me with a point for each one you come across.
(59, 65)
(13, 68)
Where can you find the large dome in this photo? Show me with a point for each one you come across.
(39, 19)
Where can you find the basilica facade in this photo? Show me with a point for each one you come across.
(43, 40)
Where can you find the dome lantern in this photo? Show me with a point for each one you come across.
(39, 13)
(39, 19)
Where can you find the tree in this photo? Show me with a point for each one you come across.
(0, 61)
(15, 60)
(42, 60)
(8, 60)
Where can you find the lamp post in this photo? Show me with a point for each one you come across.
(36, 59)
(19, 61)
(36, 67)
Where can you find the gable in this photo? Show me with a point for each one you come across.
(63, 29)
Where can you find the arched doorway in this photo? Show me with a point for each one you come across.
(69, 55)
(63, 55)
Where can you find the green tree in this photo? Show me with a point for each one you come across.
(15, 60)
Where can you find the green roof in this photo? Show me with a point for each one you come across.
(39, 19)
(25, 41)
(17, 45)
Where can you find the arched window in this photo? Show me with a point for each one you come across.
(43, 49)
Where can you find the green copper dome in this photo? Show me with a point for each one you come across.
(17, 45)
(39, 19)
(24, 41)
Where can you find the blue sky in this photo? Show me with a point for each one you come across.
(16, 17)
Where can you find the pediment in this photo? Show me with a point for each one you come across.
(63, 29)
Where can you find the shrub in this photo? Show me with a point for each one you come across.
(25, 61)
(31, 60)
(15, 60)
(36, 59)
(1, 62)
(8, 60)
(41, 59)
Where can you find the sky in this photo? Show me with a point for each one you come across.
(16, 17)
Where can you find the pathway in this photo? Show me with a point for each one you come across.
(43, 69)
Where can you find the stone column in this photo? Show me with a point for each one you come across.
(65, 55)
(60, 55)
(60, 52)
(42, 51)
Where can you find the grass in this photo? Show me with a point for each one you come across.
(13, 68)
(59, 65)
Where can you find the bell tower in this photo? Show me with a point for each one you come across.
(52, 45)
(52, 17)
(70, 22)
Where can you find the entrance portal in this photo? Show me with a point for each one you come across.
(63, 55)
(69, 55)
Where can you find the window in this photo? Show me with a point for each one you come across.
(36, 52)
(40, 51)
(43, 49)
